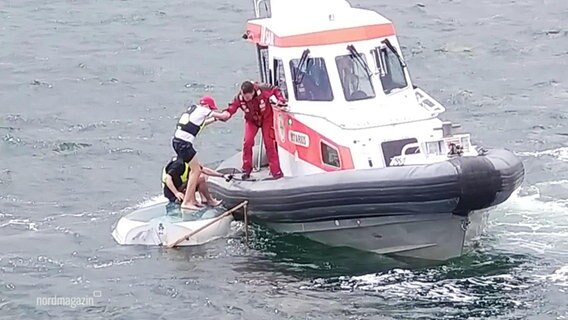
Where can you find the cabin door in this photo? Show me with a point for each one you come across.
(263, 64)
(279, 79)
(265, 77)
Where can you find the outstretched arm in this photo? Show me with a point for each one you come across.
(214, 116)
(223, 115)
(229, 112)
(275, 94)
(209, 121)
(211, 172)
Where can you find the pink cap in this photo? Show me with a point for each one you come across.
(208, 101)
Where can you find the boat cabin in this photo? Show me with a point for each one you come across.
(352, 104)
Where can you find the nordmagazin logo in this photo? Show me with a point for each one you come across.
(67, 301)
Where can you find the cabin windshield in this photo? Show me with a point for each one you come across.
(355, 79)
(392, 70)
(311, 83)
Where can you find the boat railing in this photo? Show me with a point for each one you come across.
(441, 146)
(433, 150)
(400, 160)
(428, 103)
(408, 146)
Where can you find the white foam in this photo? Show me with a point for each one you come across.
(554, 183)
(524, 223)
(111, 263)
(152, 201)
(531, 203)
(558, 153)
(143, 204)
(530, 224)
(560, 276)
(21, 222)
(405, 284)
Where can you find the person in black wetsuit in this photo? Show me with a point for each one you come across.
(175, 176)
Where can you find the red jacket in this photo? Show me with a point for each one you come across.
(259, 108)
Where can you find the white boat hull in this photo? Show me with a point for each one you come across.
(142, 227)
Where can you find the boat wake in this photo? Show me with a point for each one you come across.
(558, 153)
(523, 252)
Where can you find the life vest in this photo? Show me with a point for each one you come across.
(191, 122)
(184, 177)
(254, 114)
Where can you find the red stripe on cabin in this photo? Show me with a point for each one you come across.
(264, 36)
(284, 123)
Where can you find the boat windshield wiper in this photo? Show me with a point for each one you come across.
(301, 63)
(392, 48)
(359, 59)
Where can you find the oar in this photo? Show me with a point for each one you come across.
(244, 203)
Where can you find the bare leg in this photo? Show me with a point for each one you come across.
(204, 190)
(203, 197)
(189, 201)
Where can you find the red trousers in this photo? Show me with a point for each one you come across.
(251, 130)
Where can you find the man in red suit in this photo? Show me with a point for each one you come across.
(256, 101)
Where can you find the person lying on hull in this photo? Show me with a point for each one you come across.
(189, 125)
(175, 176)
(256, 100)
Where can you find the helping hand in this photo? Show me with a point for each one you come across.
(180, 196)
(276, 102)
(228, 177)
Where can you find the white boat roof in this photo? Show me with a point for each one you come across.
(301, 22)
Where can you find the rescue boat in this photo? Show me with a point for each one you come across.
(368, 161)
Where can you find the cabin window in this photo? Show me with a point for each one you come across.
(329, 155)
(311, 81)
(355, 78)
(392, 72)
(280, 77)
(264, 64)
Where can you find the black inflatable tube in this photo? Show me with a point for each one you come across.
(459, 186)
